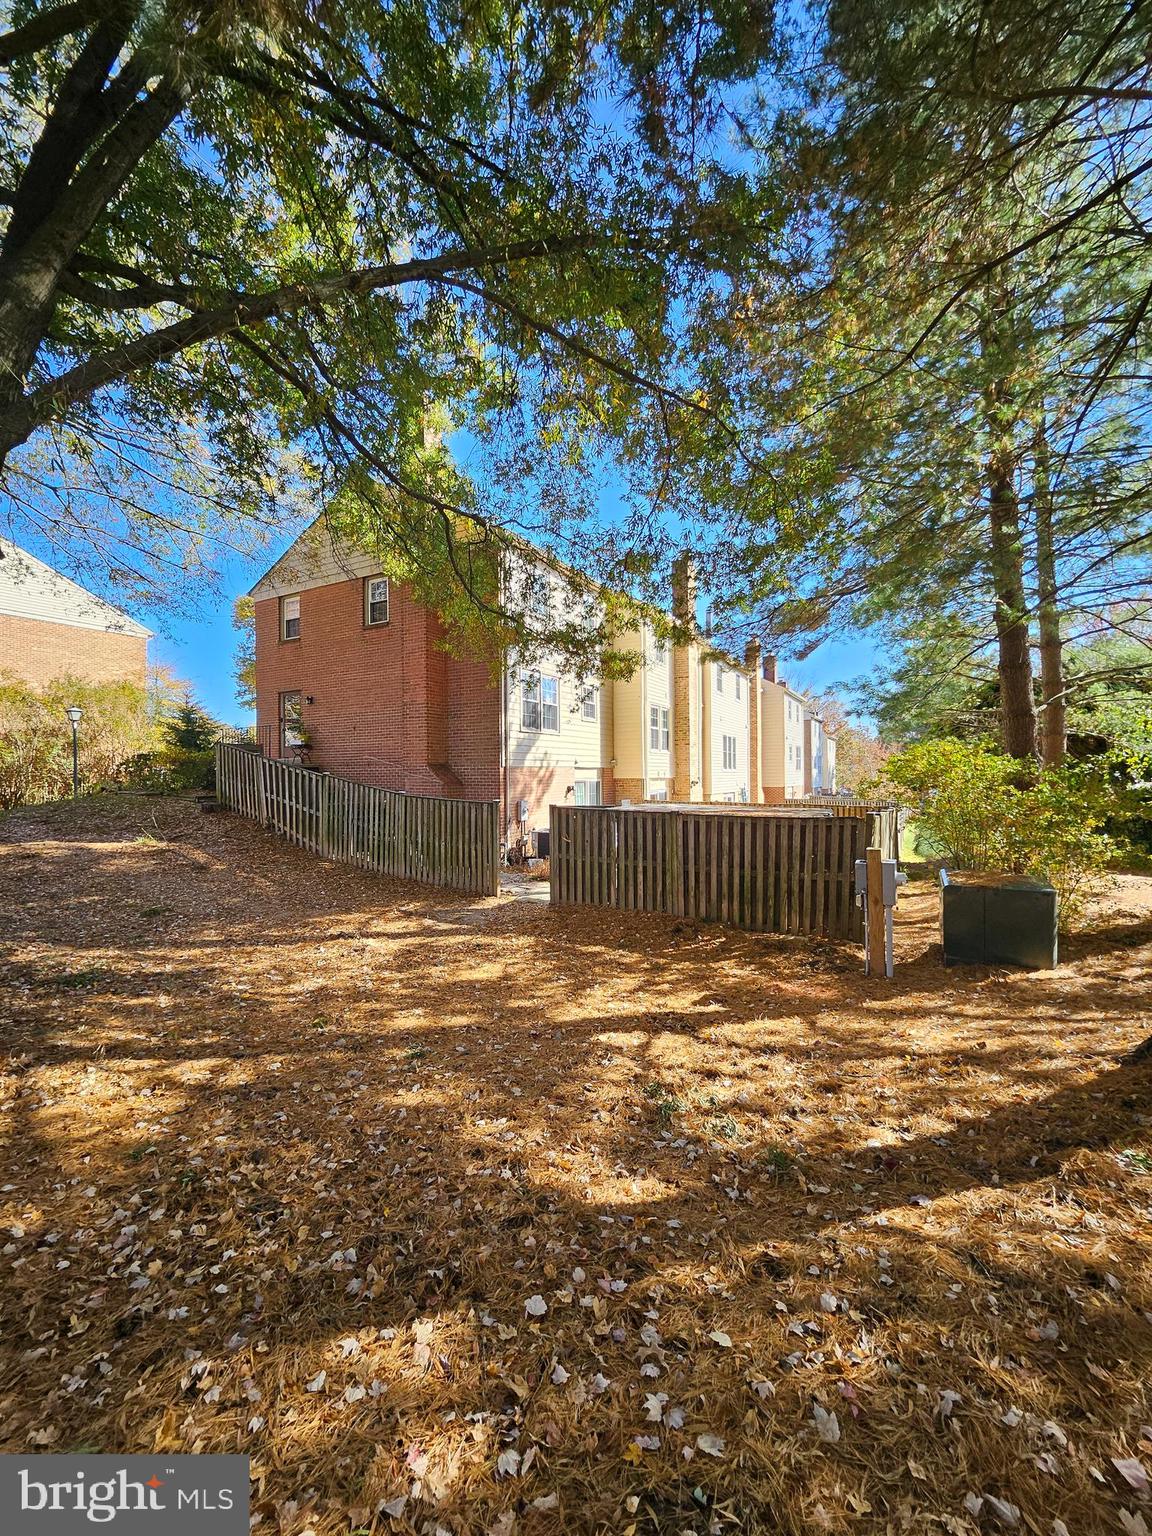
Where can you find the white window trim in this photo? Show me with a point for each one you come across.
(291, 734)
(532, 693)
(369, 621)
(585, 785)
(286, 618)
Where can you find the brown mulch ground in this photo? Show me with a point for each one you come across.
(476, 1216)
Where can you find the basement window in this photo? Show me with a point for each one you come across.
(586, 792)
(376, 601)
(290, 618)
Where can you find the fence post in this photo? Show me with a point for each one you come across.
(324, 814)
(877, 918)
(261, 796)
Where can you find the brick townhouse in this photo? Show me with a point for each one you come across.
(352, 677)
(50, 627)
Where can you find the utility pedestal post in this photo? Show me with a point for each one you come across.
(877, 881)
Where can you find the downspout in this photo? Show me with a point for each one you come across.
(504, 749)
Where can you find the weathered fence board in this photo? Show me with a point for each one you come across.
(416, 837)
(750, 869)
(889, 816)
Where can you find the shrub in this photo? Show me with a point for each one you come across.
(985, 811)
(119, 720)
(130, 737)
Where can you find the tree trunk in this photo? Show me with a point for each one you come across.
(1014, 661)
(1006, 552)
(1054, 731)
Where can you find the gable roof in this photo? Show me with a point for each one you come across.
(29, 589)
(315, 558)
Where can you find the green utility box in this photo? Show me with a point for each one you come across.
(997, 920)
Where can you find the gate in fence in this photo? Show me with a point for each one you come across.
(416, 837)
(789, 873)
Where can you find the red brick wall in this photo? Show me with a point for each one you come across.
(390, 707)
(38, 651)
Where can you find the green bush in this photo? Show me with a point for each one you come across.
(985, 811)
(169, 771)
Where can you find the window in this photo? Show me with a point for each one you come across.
(540, 600)
(291, 721)
(590, 707)
(289, 618)
(657, 728)
(729, 746)
(658, 795)
(737, 685)
(719, 679)
(586, 792)
(540, 704)
(376, 600)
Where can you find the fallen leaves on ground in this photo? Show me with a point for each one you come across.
(480, 1217)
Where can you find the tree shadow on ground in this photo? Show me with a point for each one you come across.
(355, 1114)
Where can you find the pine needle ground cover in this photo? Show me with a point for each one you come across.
(479, 1217)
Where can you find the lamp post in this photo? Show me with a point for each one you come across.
(74, 712)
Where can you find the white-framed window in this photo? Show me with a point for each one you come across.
(737, 675)
(291, 720)
(658, 733)
(290, 618)
(659, 796)
(586, 792)
(375, 601)
(540, 703)
(728, 744)
(590, 706)
(719, 679)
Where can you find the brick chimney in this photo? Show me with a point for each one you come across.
(685, 679)
(752, 665)
(770, 669)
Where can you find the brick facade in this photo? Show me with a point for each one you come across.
(388, 705)
(38, 651)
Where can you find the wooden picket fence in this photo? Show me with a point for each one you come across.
(752, 869)
(415, 837)
(886, 810)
